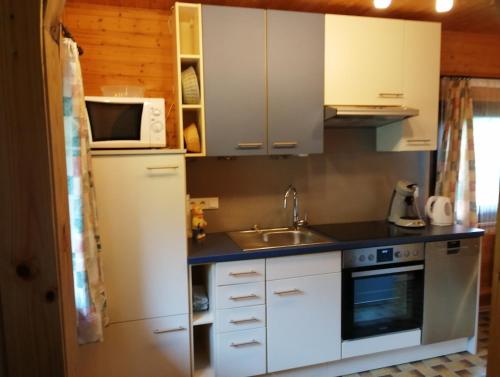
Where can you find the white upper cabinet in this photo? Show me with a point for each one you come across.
(422, 55)
(385, 62)
(142, 218)
(364, 61)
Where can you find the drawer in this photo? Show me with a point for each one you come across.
(234, 296)
(248, 271)
(241, 353)
(303, 265)
(245, 318)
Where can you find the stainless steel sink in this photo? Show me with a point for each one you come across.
(276, 237)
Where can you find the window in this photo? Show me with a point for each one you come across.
(486, 123)
(487, 150)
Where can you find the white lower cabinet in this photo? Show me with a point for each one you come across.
(241, 353)
(303, 321)
(156, 347)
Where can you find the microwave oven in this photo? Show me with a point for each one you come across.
(126, 122)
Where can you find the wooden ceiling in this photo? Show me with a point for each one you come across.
(476, 16)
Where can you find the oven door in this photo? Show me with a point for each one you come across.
(379, 300)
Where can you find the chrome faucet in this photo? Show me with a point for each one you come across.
(296, 221)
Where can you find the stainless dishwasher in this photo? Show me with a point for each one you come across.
(450, 289)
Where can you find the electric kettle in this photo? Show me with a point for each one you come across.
(439, 210)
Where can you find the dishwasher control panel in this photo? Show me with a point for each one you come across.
(372, 256)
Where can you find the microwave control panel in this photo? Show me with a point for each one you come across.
(372, 256)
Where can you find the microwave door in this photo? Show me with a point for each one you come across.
(117, 125)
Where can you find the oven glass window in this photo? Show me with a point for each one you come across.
(115, 121)
(384, 303)
(383, 298)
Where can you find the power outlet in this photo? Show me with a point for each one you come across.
(206, 203)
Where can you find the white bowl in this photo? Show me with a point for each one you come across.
(122, 91)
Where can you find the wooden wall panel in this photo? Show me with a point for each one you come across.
(475, 16)
(37, 315)
(470, 54)
(126, 46)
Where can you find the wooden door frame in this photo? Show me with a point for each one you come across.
(493, 366)
(37, 317)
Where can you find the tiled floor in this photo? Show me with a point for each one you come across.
(461, 364)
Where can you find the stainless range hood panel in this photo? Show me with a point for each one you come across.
(366, 116)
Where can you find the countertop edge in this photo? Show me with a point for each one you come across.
(236, 254)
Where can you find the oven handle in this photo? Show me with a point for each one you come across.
(386, 271)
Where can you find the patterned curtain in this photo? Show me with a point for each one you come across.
(90, 295)
(456, 161)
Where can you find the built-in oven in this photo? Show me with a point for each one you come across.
(382, 290)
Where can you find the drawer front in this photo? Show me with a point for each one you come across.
(248, 271)
(250, 317)
(241, 353)
(234, 296)
(303, 265)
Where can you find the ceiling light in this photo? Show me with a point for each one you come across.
(444, 5)
(381, 4)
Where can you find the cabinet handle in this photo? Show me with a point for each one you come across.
(250, 145)
(246, 297)
(242, 344)
(162, 331)
(285, 144)
(418, 141)
(166, 167)
(243, 273)
(391, 95)
(240, 321)
(288, 292)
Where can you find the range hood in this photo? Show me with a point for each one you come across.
(366, 116)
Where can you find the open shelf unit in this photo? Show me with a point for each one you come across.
(189, 53)
(203, 323)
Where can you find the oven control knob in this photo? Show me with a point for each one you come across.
(362, 258)
(407, 253)
(371, 257)
(156, 112)
(398, 254)
(415, 253)
(157, 126)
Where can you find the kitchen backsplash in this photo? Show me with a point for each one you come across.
(349, 182)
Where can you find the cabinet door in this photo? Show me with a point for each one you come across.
(421, 72)
(303, 321)
(141, 207)
(295, 70)
(152, 348)
(234, 46)
(363, 61)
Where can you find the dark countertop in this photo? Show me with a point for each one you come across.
(218, 247)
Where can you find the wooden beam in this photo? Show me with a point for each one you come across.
(37, 313)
